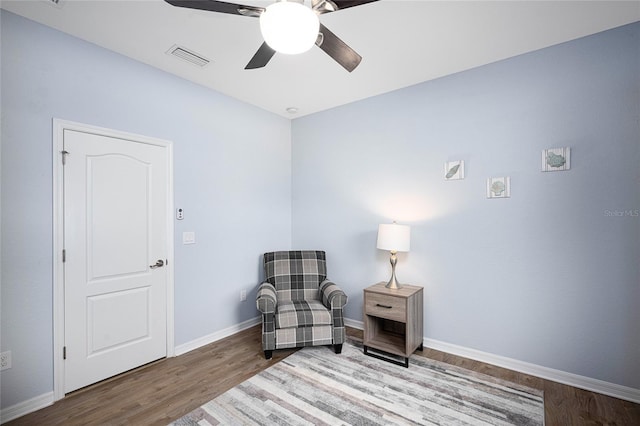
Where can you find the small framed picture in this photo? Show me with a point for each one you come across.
(556, 159)
(499, 187)
(454, 170)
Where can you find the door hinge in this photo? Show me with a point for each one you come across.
(64, 255)
(64, 156)
(64, 352)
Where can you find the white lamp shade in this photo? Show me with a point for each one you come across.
(394, 237)
(289, 27)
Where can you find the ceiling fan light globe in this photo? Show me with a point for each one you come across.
(289, 27)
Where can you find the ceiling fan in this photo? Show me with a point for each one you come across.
(288, 26)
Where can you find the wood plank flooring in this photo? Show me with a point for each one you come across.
(163, 391)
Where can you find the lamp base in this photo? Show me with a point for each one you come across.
(393, 283)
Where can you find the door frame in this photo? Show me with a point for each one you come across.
(59, 126)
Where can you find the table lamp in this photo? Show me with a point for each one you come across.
(394, 238)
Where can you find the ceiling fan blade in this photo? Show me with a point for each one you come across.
(338, 49)
(351, 3)
(218, 6)
(328, 6)
(261, 58)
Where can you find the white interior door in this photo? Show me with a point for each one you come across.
(115, 232)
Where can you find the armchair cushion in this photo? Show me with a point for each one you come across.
(302, 313)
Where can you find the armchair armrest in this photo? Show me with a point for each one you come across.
(331, 295)
(266, 298)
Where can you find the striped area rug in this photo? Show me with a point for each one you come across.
(314, 386)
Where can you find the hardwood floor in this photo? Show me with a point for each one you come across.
(163, 391)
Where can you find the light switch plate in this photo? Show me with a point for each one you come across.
(188, 238)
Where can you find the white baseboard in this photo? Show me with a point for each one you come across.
(213, 337)
(354, 324)
(582, 382)
(26, 407)
(575, 380)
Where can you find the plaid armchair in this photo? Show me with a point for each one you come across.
(299, 305)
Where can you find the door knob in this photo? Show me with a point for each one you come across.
(159, 264)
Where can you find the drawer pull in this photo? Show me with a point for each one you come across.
(384, 306)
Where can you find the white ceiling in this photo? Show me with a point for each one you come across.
(402, 42)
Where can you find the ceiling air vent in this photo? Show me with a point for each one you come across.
(188, 55)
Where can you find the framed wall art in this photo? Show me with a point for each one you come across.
(454, 170)
(556, 159)
(499, 187)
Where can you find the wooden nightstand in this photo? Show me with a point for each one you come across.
(393, 321)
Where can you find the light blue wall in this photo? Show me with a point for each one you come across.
(232, 167)
(550, 276)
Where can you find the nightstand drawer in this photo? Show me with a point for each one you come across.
(385, 306)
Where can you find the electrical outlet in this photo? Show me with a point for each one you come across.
(5, 360)
(243, 295)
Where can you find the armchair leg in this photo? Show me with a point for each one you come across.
(268, 354)
(338, 348)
